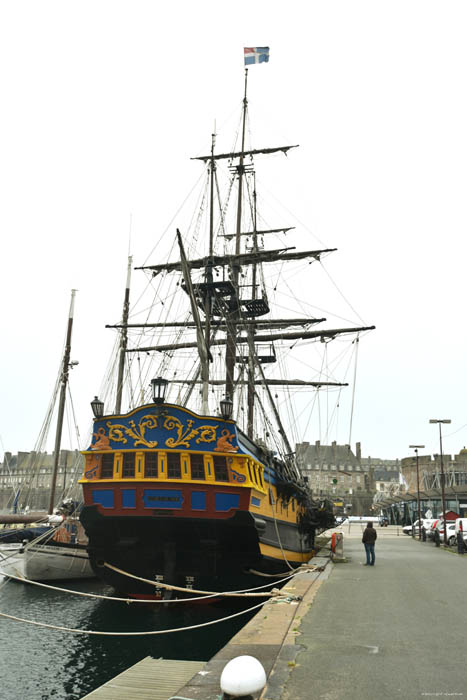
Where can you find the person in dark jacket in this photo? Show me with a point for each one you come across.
(369, 539)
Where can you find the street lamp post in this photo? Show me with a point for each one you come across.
(439, 421)
(416, 448)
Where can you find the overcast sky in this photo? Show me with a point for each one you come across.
(103, 104)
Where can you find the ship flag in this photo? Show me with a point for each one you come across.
(258, 54)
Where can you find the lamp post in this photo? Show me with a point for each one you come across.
(439, 421)
(416, 448)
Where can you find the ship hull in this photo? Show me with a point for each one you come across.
(190, 553)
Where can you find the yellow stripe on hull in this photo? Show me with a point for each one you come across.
(276, 553)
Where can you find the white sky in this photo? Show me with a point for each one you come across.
(103, 104)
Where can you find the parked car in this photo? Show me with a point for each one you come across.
(430, 531)
(407, 529)
(450, 534)
(383, 521)
(439, 526)
(426, 525)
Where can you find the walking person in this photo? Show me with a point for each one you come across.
(369, 539)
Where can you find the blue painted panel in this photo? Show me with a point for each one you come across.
(129, 498)
(226, 501)
(146, 427)
(198, 500)
(163, 498)
(255, 502)
(103, 497)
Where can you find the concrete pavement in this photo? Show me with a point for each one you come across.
(395, 630)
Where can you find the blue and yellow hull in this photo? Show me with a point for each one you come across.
(185, 500)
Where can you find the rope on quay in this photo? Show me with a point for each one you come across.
(304, 568)
(275, 592)
(130, 634)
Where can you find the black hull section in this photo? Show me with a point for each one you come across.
(204, 554)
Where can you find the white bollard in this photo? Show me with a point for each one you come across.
(242, 677)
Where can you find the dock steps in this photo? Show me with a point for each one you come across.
(149, 679)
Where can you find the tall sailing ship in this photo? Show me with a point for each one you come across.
(204, 491)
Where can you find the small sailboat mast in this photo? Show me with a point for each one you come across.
(61, 405)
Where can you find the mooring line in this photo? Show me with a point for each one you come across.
(129, 634)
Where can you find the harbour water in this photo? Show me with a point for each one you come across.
(38, 663)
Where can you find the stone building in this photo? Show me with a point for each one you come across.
(348, 479)
(402, 504)
(25, 478)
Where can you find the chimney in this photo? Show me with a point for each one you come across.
(358, 452)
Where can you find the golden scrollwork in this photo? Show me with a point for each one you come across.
(185, 433)
(137, 432)
(207, 433)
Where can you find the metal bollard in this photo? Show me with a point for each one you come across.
(460, 543)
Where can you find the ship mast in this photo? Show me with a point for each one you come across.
(233, 317)
(251, 331)
(123, 339)
(61, 405)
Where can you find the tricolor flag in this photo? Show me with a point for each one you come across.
(259, 54)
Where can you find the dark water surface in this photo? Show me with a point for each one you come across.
(38, 663)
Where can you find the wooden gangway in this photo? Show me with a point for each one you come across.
(149, 679)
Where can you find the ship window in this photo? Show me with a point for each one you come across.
(197, 466)
(220, 469)
(128, 470)
(173, 466)
(107, 466)
(150, 464)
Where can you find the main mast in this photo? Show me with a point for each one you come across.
(233, 317)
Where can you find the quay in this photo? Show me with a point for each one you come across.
(395, 630)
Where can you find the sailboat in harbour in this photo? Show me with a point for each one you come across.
(53, 547)
(198, 486)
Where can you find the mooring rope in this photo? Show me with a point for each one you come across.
(170, 587)
(73, 630)
(136, 600)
